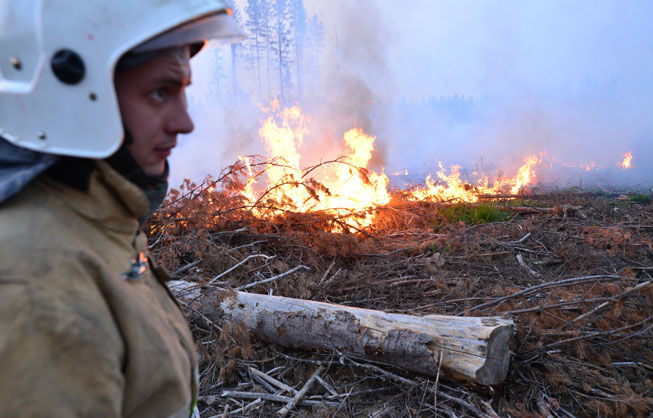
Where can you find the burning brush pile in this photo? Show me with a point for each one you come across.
(572, 270)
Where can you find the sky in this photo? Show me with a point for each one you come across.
(438, 47)
(573, 79)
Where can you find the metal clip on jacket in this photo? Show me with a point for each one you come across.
(137, 268)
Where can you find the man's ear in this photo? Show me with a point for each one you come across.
(127, 138)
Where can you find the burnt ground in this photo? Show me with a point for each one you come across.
(573, 270)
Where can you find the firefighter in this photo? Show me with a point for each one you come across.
(92, 99)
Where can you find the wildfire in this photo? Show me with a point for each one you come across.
(627, 161)
(346, 185)
(452, 187)
(525, 175)
(584, 166)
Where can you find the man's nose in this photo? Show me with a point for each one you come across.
(180, 121)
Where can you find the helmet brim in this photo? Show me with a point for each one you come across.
(219, 26)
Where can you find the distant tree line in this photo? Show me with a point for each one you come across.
(280, 56)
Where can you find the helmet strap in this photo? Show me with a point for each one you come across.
(155, 187)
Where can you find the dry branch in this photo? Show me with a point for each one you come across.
(272, 380)
(291, 404)
(278, 276)
(273, 398)
(520, 260)
(582, 346)
(563, 282)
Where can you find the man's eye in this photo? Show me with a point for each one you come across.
(159, 94)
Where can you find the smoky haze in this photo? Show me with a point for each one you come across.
(480, 84)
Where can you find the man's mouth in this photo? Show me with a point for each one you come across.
(163, 152)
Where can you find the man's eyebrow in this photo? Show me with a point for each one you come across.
(175, 81)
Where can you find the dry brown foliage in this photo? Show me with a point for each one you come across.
(583, 345)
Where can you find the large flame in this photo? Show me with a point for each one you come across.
(627, 161)
(346, 185)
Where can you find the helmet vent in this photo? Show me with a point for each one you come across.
(68, 66)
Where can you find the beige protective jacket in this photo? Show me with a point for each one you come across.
(78, 338)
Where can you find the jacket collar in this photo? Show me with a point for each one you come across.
(19, 166)
(111, 199)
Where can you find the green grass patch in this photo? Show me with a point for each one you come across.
(526, 202)
(473, 214)
(629, 200)
(640, 199)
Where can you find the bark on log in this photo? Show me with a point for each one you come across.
(472, 348)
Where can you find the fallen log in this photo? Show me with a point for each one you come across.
(470, 348)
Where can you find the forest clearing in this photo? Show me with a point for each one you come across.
(571, 269)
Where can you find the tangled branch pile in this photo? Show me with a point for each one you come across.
(573, 270)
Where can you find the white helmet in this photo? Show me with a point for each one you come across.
(57, 61)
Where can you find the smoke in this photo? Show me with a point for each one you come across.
(225, 125)
(354, 71)
(486, 86)
(480, 86)
(584, 137)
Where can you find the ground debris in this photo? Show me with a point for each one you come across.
(572, 270)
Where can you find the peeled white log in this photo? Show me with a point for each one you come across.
(472, 348)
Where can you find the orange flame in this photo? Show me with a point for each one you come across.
(526, 173)
(627, 161)
(346, 185)
(454, 188)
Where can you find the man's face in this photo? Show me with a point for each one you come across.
(152, 103)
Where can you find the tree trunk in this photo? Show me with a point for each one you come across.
(258, 65)
(234, 72)
(471, 348)
(267, 35)
(300, 75)
(281, 64)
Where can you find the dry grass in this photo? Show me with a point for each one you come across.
(581, 299)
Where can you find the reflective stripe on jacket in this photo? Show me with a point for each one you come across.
(78, 337)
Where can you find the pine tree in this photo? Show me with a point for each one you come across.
(254, 11)
(234, 49)
(313, 48)
(266, 16)
(299, 29)
(280, 14)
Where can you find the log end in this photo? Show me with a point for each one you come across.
(495, 369)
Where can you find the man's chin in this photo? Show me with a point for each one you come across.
(154, 170)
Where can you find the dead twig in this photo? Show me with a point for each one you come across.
(327, 386)
(229, 270)
(246, 407)
(278, 276)
(526, 267)
(437, 380)
(275, 398)
(258, 379)
(291, 404)
(272, 380)
(251, 244)
(326, 273)
(611, 299)
(599, 334)
(564, 282)
(384, 373)
(185, 268)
